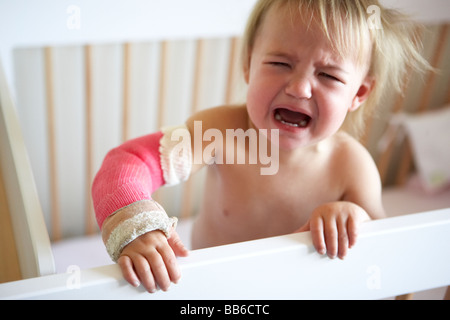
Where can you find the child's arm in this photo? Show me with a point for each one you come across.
(129, 217)
(145, 248)
(334, 226)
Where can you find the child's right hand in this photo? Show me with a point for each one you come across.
(151, 260)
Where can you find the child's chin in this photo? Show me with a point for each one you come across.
(287, 144)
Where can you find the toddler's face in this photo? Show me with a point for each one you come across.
(299, 84)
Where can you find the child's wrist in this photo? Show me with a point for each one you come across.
(133, 221)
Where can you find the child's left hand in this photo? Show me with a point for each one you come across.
(334, 227)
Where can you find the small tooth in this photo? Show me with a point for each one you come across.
(303, 123)
(278, 117)
(290, 124)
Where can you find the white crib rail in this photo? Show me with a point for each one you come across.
(393, 256)
(30, 233)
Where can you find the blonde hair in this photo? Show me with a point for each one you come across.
(348, 24)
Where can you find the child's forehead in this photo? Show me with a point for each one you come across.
(336, 30)
(288, 23)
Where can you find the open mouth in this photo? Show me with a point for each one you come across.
(292, 118)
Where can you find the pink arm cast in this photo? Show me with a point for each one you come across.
(129, 173)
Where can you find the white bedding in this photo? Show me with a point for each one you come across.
(413, 199)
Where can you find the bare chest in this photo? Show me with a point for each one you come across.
(241, 204)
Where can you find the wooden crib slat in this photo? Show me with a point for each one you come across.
(196, 89)
(232, 66)
(162, 84)
(126, 91)
(187, 196)
(53, 163)
(9, 261)
(162, 99)
(89, 211)
(28, 225)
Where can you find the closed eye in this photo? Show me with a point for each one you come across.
(279, 64)
(330, 77)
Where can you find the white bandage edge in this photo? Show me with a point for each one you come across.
(132, 228)
(175, 154)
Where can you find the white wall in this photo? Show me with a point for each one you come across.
(33, 22)
(426, 11)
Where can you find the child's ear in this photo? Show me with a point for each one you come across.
(363, 93)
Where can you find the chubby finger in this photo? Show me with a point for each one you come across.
(170, 261)
(316, 228)
(126, 265)
(144, 272)
(331, 238)
(352, 230)
(159, 270)
(343, 239)
(177, 245)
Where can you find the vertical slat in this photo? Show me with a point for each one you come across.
(162, 84)
(233, 60)
(424, 104)
(54, 186)
(188, 194)
(197, 76)
(126, 92)
(162, 96)
(89, 211)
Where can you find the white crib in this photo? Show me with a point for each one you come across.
(394, 256)
(84, 81)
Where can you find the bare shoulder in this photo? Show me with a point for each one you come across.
(351, 151)
(359, 173)
(222, 118)
(218, 118)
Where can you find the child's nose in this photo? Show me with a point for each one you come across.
(299, 88)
